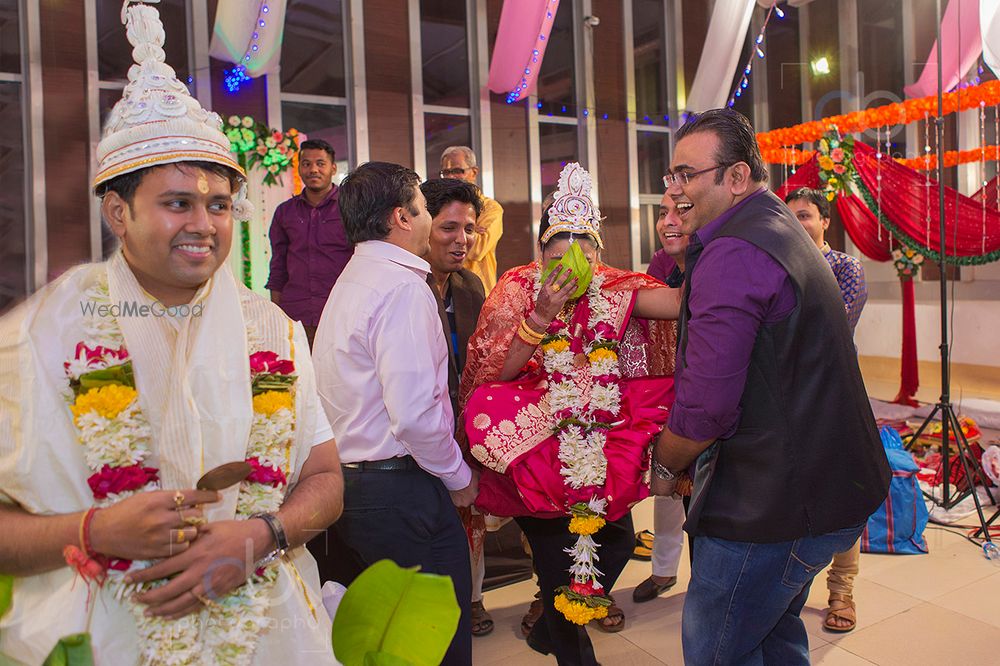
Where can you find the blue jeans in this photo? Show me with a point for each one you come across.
(744, 599)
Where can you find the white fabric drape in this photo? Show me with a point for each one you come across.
(989, 26)
(236, 21)
(265, 200)
(720, 55)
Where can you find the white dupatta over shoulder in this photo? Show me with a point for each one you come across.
(192, 375)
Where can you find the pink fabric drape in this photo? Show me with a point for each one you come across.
(962, 45)
(520, 44)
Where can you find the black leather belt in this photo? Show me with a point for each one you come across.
(399, 464)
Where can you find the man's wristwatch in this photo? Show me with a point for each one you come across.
(278, 531)
(662, 472)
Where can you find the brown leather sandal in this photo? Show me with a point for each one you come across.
(841, 608)
(482, 621)
(614, 622)
(532, 616)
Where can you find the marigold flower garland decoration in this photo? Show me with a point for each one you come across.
(584, 409)
(116, 437)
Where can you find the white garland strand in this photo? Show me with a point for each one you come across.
(227, 633)
(581, 446)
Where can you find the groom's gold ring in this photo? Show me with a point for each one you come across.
(178, 499)
(556, 287)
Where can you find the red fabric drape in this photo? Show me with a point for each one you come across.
(859, 222)
(909, 372)
(806, 175)
(991, 192)
(864, 229)
(862, 226)
(907, 201)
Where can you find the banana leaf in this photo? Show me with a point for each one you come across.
(576, 262)
(72, 650)
(392, 616)
(6, 593)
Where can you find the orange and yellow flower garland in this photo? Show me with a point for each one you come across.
(792, 156)
(900, 113)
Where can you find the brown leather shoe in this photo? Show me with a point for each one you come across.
(649, 589)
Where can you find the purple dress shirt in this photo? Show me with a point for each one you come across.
(663, 267)
(309, 250)
(735, 287)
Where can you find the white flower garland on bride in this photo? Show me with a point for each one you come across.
(584, 398)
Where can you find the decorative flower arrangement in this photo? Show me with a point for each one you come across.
(584, 408)
(907, 261)
(836, 167)
(257, 145)
(116, 435)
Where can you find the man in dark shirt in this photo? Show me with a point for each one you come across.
(784, 476)
(309, 246)
(455, 206)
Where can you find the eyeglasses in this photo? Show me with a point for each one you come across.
(451, 173)
(684, 177)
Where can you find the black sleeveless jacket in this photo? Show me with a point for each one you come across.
(806, 458)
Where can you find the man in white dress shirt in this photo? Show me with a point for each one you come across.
(382, 373)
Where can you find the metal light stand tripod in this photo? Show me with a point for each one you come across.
(949, 421)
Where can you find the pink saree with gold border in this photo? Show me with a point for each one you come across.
(509, 425)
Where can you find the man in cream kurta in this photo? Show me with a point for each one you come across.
(42, 466)
(166, 299)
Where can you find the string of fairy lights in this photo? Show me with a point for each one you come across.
(237, 77)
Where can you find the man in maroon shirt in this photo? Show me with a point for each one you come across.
(309, 247)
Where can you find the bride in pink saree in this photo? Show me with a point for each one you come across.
(561, 401)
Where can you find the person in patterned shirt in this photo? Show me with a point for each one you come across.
(812, 210)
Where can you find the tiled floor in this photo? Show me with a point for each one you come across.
(939, 608)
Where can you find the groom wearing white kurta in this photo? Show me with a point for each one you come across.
(239, 588)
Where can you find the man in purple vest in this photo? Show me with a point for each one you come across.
(309, 247)
(784, 476)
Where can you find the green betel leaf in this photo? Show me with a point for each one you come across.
(116, 374)
(6, 593)
(391, 616)
(575, 261)
(71, 650)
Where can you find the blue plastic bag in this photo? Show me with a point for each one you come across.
(898, 525)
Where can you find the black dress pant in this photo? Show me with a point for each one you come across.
(407, 516)
(549, 538)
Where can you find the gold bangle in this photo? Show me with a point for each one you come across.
(528, 336)
(532, 333)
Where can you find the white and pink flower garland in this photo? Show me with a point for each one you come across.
(116, 438)
(584, 397)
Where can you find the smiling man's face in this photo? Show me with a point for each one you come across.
(177, 229)
(668, 228)
(453, 230)
(705, 195)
